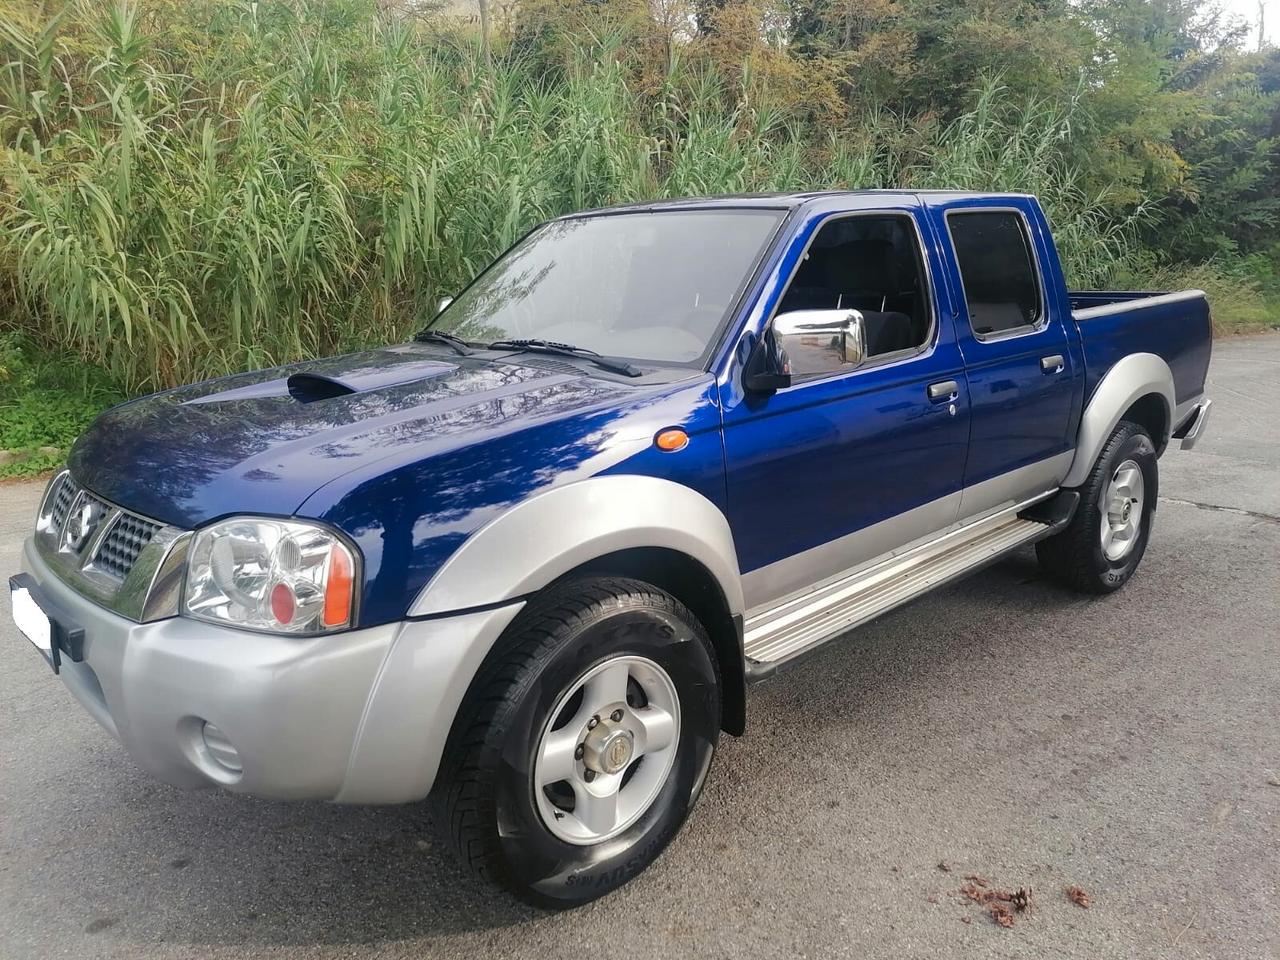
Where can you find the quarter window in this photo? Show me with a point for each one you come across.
(1001, 291)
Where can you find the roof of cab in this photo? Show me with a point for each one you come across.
(786, 201)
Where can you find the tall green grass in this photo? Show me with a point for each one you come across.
(191, 189)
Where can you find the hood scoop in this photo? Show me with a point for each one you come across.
(309, 386)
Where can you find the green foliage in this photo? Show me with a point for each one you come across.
(46, 400)
(1238, 302)
(930, 56)
(192, 188)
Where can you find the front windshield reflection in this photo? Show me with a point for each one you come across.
(646, 286)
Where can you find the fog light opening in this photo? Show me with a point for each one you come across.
(220, 750)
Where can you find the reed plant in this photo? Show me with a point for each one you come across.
(193, 189)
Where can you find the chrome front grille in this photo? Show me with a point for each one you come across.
(60, 496)
(118, 550)
(131, 563)
(84, 521)
(104, 537)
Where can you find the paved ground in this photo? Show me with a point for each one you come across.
(1129, 745)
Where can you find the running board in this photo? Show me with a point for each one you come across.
(800, 624)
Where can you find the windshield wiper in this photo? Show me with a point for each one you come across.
(569, 350)
(448, 339)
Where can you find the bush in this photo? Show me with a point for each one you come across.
(225, 185)
(46, 401)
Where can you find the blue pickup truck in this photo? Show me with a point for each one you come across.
(527, 565)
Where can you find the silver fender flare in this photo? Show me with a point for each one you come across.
(1132, 378)
(546, 536)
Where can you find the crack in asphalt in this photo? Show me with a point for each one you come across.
(1269, 517)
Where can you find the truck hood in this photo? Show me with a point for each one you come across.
(264, 442)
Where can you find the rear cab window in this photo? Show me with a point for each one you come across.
(998, 272)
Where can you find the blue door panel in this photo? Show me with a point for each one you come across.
(818, 461)
(825, 458)
(1021, 413)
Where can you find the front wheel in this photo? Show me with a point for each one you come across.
(1106, 539)
(583, 744)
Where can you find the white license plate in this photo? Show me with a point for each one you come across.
(31, 620)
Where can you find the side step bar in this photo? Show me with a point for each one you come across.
(800, 624)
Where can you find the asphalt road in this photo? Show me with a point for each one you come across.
(1128, 745)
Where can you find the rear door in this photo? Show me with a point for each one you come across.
(1018, 354)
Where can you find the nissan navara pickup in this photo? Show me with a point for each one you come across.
(526, 566)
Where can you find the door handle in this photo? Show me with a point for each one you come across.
(943, 390)
(1054, 364)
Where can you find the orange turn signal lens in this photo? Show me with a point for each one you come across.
(671, 440)
(337, 591)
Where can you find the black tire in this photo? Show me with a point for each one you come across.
(1075, 557)
(484, 802)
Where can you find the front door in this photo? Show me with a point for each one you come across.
(846, 464)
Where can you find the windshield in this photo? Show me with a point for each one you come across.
(648, 286)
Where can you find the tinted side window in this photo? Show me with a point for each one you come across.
(872, 265)
(1000, 286)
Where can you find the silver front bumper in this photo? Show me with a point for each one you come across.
(356, 717)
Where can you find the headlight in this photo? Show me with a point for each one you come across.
(282, 576)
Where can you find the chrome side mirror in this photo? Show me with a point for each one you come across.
(444, 302)
(804, 343)
(821, 341)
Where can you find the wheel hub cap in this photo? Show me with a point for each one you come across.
(1122, 511)
(606, 750)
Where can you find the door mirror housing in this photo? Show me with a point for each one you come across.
(444, 302)
(806, 343)
(821, 341)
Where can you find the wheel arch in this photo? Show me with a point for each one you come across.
(1138, 387)
(1151, 413)
(652, 529)
(692, 584)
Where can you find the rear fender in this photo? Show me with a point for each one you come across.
(1132, 378)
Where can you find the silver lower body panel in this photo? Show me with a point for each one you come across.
(837, 558)
(359, 717)
(803, 622)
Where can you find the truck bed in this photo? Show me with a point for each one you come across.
(1174, 325)
(1093, 299)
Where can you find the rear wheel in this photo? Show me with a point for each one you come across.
(1106, 539)
(583, 743)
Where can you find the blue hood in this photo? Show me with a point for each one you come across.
(408, 449)
(263, 442)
